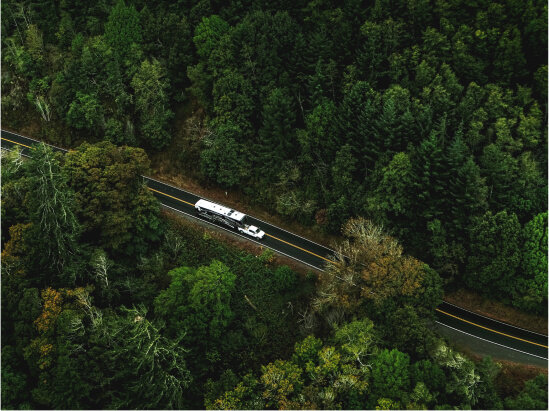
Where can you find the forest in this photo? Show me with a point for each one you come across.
(415, 130)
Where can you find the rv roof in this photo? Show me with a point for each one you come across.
(226, 211)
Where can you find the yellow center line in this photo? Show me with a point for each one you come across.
(302, 249)
(15, 142)
(167, 195)
(489, 329)
(276, 238)
(316, 255)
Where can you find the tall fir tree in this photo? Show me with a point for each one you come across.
(276, 137)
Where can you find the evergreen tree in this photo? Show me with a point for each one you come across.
(429, 175)
(533, 284)
(500, 170)
(467, 190)
(355, 120)
(494, 253)
(276, 136)
(151, 100)
(123, 29)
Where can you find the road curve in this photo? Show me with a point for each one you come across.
(315, 256)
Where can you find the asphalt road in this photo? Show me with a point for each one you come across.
(502, 336)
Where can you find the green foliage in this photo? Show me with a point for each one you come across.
(495, 253)
(276, 137)
(225, 159)
(156, 372)
(198, 301)
(85, 112)
(463, 381)
(210, 296)
(390, 376)
(534, 265)
(357, 340)
(426, 118)
(284, 279)
(151, 100)
(532, 397)
(392, 197)
(117, 210)
(123, 29)
(207, 35)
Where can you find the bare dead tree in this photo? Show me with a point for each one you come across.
(101, 265)
(174, 243)
(43, 107)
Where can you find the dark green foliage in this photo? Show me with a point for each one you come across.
(85, 112)
(118, 211)
(225, 160)
(495, 246)
(284, 279)
(533, 284)
(276, 137)
(151, 100)
(123, 29)
(426, 117)
(390, 376)
(532, 397)
(467, 189)
(207, 35)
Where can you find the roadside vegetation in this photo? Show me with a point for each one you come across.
(416, 131)
(172, 317)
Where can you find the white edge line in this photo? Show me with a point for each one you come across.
(36, 141)
(188, 192)
(491, 342)
(177, 188)
(206, 198)
(490, 318)
(310, 265)
(240, 235)
(11, 132)
(25, 155)
(289, 232)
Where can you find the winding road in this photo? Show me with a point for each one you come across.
(519, 344)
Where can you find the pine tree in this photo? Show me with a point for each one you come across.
(467, 191)
(277, 139)
(123, 29)
(533, 286)
(429, 176)
(355, 121)
(500, 170)
(494, 254)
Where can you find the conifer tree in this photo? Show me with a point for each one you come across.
(277, 139)
(494, 253)
(429, 174)
(123, 29)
